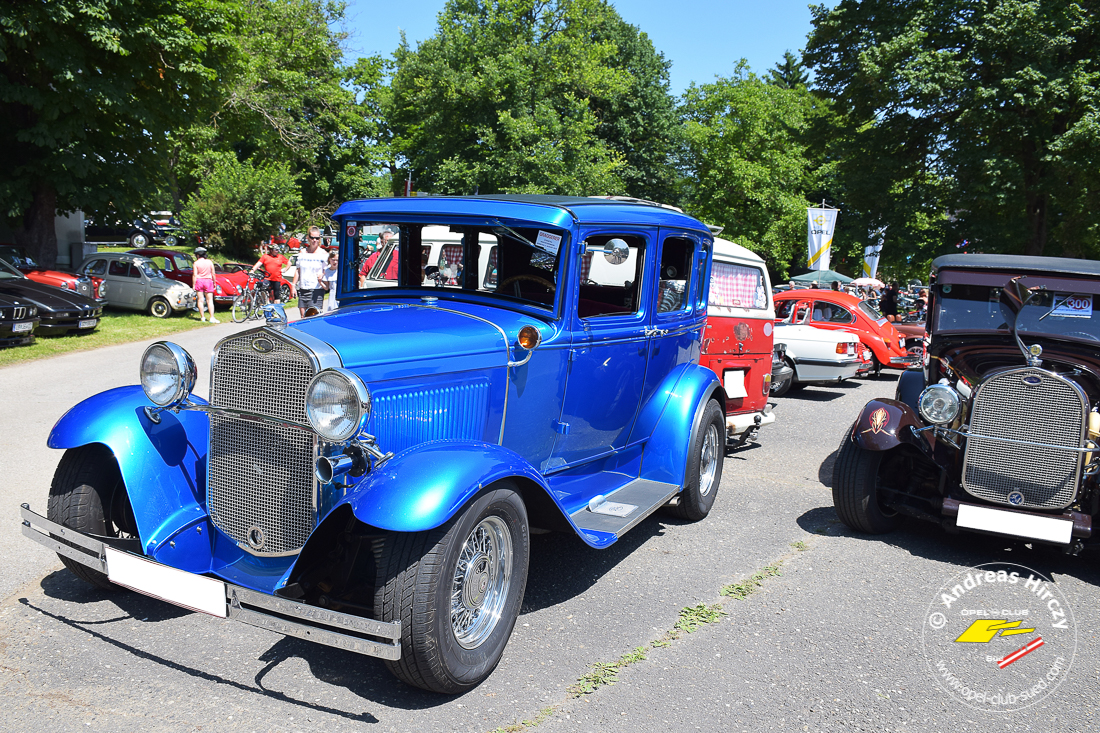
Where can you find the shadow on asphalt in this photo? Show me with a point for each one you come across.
(561, 567)
(964, 549)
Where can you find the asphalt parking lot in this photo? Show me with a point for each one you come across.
(828, 636)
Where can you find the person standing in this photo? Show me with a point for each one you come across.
(273, 264)
(330, 281)
(309, 276)
(888, 303)
(202, 279)
(379, 249)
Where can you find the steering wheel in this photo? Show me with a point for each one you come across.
(533, 278)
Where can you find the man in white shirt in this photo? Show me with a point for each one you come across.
(309, 278)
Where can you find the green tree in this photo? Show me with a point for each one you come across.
(239, 204)
(788, 73)
(89, 92)
(499, 99)
(746, 165)
(967, 120)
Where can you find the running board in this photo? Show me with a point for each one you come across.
(641, 498)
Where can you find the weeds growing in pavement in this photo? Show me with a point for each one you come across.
(692, 617)
(799, 545)
(748, 586)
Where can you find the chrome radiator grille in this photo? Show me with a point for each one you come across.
(1045, 408)
(260, 477)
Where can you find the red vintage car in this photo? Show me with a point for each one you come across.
(834, 310)
(243, 269)
(177, 266)
(17, 257)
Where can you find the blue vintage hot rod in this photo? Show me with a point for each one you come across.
(369, 478)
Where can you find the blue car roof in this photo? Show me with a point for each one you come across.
(559, 211)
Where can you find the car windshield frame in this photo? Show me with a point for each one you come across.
(513, 244)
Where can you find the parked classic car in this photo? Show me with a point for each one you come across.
(817, 355)
(135, 282)
(18, 319)
(738, 345)
(370, 478)
(999, 432)
(838, 311)
(141, 232)
(18, 258)
(177, 266)
(60, 311)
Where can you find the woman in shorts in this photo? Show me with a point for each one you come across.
(202, 279)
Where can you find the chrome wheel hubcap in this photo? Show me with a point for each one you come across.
(708, 460)
(482, 577)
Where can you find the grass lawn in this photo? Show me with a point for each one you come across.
(116, 327)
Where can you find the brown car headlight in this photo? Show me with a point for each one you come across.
(338, 405)
(939, 404)
(168, 374)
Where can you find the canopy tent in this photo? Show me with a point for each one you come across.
(822, 276)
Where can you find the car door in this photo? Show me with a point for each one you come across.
(609, 350)
(126, 286)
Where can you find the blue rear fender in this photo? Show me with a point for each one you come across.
(424, 486)
(670, 418)
(163, 465)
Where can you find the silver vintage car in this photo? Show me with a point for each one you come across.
(136, 282)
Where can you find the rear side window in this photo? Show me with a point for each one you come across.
(737, 286)
(826, 312)
(122, 269)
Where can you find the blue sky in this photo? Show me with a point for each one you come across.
(702, 38)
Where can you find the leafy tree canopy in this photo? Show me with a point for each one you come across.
(746, 165)
(89, 92)
(966, 120)
(545, 96)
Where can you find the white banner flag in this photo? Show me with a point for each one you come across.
(820, 226)
(873, 251)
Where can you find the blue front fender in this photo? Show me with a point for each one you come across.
(163, 465)
(423, 487)
(685, 391)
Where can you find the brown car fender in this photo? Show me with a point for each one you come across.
(886, 424)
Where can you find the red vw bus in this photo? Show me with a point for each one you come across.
(737, 344)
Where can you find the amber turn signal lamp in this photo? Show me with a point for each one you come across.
(529, 337)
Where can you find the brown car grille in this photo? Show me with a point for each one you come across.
(260, 478)
(1031, 406)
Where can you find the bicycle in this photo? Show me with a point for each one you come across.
(250, 301)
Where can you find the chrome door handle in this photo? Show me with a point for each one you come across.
(656, 332)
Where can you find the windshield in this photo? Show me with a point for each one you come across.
(7, 272)
(961, 307)
(15, 256)
(518, 264)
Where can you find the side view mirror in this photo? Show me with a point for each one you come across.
(615, 251)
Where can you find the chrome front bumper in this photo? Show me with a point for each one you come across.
(224, 600)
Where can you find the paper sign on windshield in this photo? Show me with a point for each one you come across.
(548, 242)
(1073, 306)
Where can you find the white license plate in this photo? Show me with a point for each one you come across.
(22, 327)
(191, 591)
(1049, 529)
(87, 324)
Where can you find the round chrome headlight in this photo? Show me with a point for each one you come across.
(337, 405)
(939, 404)
(168, 374)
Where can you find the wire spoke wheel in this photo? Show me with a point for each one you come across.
(708, 460)
(481, 581)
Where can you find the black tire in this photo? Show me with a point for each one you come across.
(87, 494)
(171, 240)
(160, 308)
(704, 468)
(855, 489)
(239, 311)
(417, 577)
(284, 292)
(785, 387)
(139, 240)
